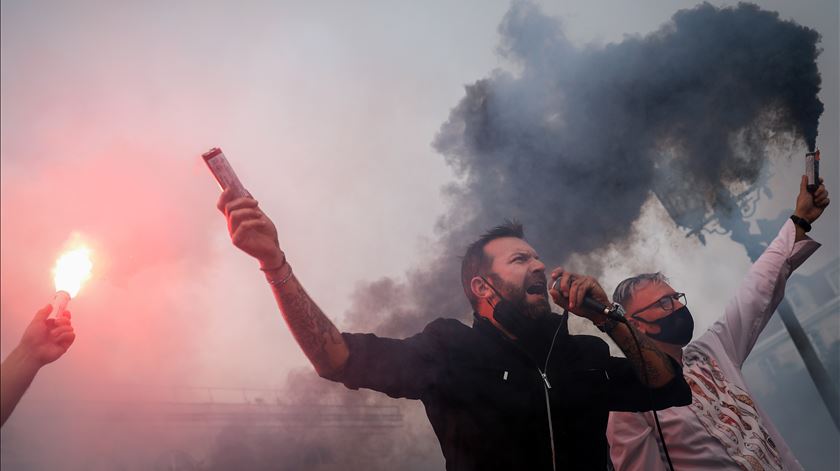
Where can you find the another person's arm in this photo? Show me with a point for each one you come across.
(653, 367)
(763, 287)
(254, 233)
(44, 341)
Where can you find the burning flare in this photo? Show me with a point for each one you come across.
(71, 270)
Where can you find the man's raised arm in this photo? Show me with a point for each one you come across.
(254, 233)
(763, 288)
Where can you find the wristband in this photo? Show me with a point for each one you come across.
(801, 222)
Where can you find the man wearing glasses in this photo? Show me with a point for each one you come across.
(723, 428)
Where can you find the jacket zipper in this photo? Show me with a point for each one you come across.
(546, 387)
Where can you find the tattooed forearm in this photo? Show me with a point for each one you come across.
(652, 366)
(315, 333)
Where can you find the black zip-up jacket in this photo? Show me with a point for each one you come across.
(489, 402)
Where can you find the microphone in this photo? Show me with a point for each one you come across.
(614, 311)
(610, 311)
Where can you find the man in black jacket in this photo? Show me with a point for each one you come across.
(515, 391)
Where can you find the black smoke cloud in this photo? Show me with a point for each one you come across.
(574, 143)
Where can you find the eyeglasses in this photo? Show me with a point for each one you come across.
(666, 303)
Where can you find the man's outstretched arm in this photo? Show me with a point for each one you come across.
(44, 341)
(254, 233)
(314, 332)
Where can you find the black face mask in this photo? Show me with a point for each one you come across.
(509, 315)
(675, 328)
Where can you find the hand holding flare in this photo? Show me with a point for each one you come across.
(71, 270)
(45, 339)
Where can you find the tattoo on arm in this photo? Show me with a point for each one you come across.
(652, 366)
(319, 339)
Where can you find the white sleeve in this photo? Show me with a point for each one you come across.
(633, 446)
(760, 293)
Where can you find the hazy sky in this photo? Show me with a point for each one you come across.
(327, 111)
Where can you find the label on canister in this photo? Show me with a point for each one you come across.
(223, 172)
(812, 170)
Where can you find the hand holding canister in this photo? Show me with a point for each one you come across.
(809, 206)
(812, 170)
(250, 229)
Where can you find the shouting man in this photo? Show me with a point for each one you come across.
(515, 390)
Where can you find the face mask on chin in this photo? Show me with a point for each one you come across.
(675, 328)
(511, 316)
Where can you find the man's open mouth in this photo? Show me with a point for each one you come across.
(537, 288)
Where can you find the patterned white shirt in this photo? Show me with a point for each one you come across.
(722, 429)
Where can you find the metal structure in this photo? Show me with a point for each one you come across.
(130, 426)
(215, 407)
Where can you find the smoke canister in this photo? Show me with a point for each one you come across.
(812, 170)
(223, 172)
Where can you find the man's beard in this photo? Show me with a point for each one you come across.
(518, 297)
(537, 309)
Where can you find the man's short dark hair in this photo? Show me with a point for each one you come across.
(476, 262)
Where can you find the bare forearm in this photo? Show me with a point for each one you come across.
(652, 366)
(16, 374)
(254, 233)
(319, 339)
